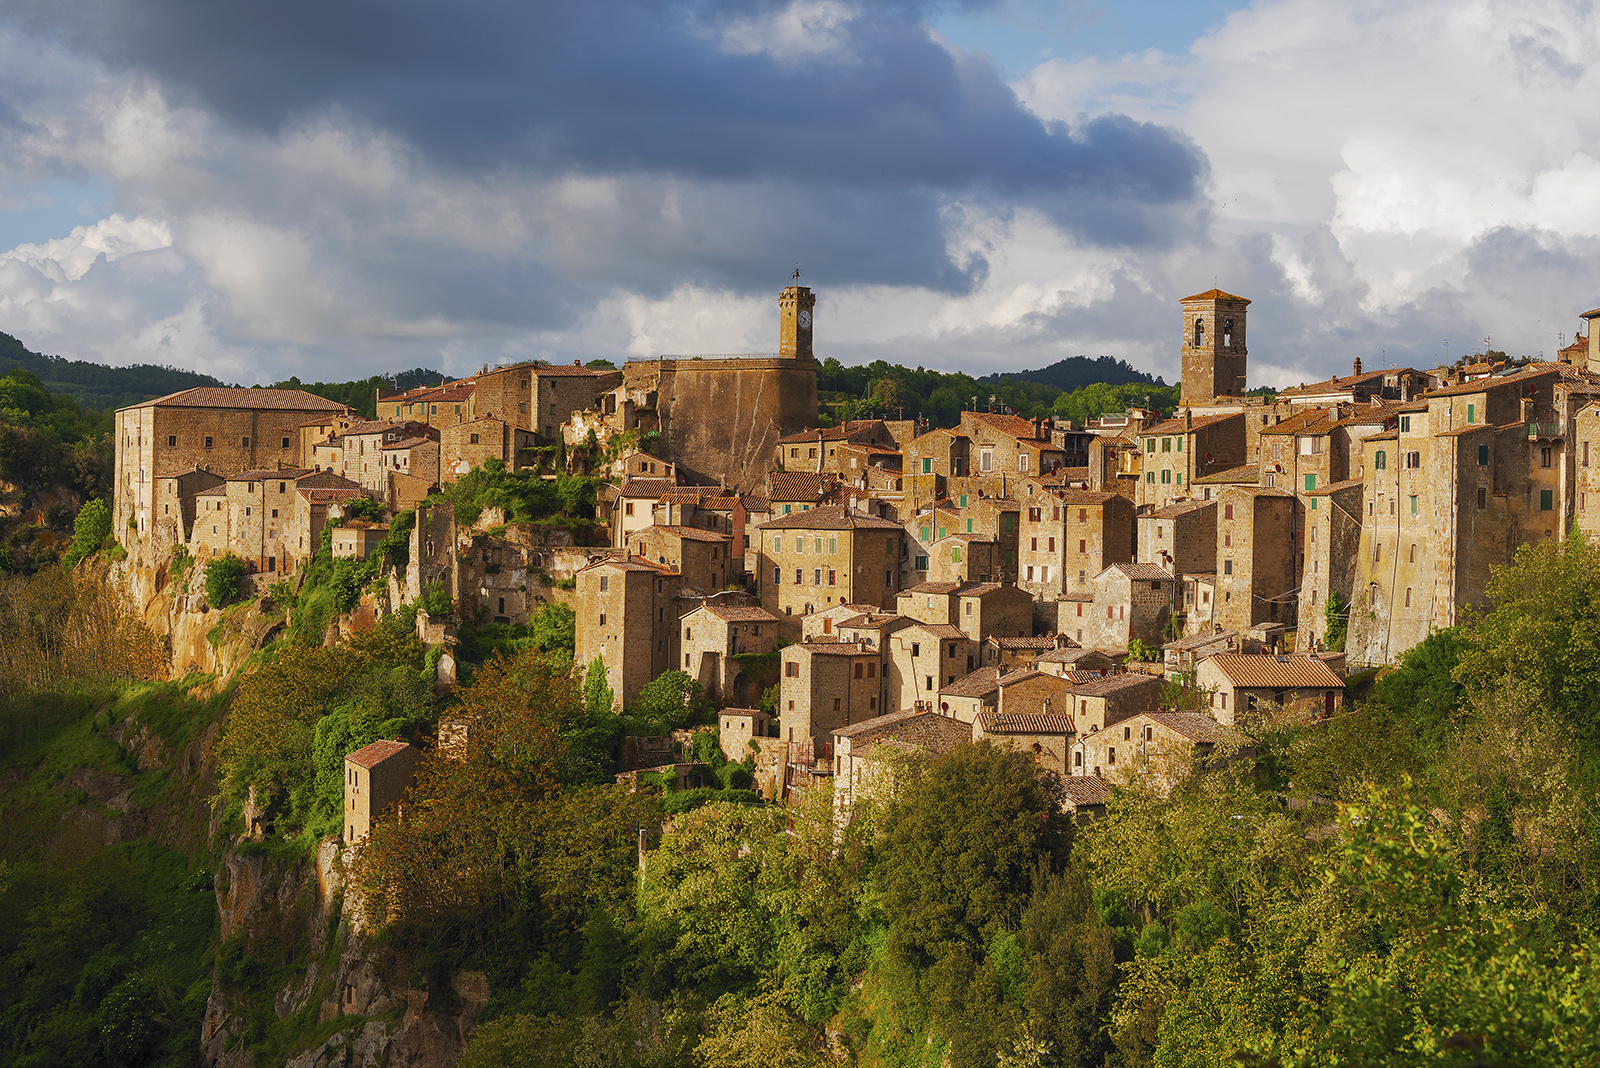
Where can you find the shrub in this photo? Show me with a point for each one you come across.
(89, 531)
(224, 580)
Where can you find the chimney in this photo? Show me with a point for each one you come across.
(1358, 365)
(1188, 419)
(1527, 410)
(577, 363)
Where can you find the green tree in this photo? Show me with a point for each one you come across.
(555, 628)
(670, 700)
(598, 699)
(89, 531)
(224, 580)
(1336, 620)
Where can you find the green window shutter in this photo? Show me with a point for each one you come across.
(1311, 483)
(963, 500)
(1413, 504)
(1483, 456)
(955, 554)
(969, 526)
(1472, 410)
(924, 533)
(1177, 476)
(1313, 504)
(941, 532)
(1180, 444)
(1546, 500)
(927, 465)
(1166, 444)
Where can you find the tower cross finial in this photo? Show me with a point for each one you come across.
(796, 275)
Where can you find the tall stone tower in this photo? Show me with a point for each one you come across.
(1213, 346)
(795, 305)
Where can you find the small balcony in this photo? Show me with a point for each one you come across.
(1546, 429)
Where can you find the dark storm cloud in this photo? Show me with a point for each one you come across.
(647, 88)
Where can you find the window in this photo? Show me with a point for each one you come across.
(1311, 481)
(1483, 455)
(473, 439)
(274, 513)
(791, 669)
(1150, 477)
(861, 670)
(1545, 455)
(1546, 500)
(1471, 411)
(927, 465)
(1227, 511)
(1227, 541)
(1111, 755)
(1408, 596)
(208, 442)
(244, 443)
(1227, 567)
(1413, 504)
(1080, 582)
(1149, 444)
(172, 442)
(1405, 424)
(1083, 545)
(1166, 444)
(969, 526)
(1166, 477)
(816, 576)
(1381, 460)
(963, 499)
(247, 511)
(799, 576)
(1377, 552)
(602, 619)
(922, 563)
(832, 577)
(1413, 555)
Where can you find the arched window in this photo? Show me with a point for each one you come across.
(1380, 461)
(1227, 332)
(1199, 333)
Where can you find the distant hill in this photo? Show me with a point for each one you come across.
(1075, 372)
(362, 393)
(95, 385)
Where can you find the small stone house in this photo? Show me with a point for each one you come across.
(1161, 747)
(827, 685)
(737, 727)
(971, 694)
(1130, 601)
(857, 774)
(1100, 703)
(376, 778)
(714, 636)
(1083, 661)
(358, 538)
(1244, 681)
(1048, 735)
(922, 658)
(823, 625)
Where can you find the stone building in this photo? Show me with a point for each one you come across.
(376, 778)
(633, 508)
(468, 444)
(1070, 536)
(826, 624)
(260, 505)
(720, 417)
(827, 556)
(703, 558)
(828, 685)
(922, 658)
(363, 445)
(817, 449)
(539, 397)
(1332, 548)
(1181, 538)
(787, 492)
(980, 609)
(413, 460)
(1241, 682)
(1257, 561)
(972, 694)
(357, 539)
(1104, 702)
(714, 637)
(1186, 448)
(1159, 748)
(1047, 735)
(218, 429)
(737, 728)
(1468, 475)
(1130, 601)
(628, 617)
(859, 770)
(1008, 447)
(1213, 350)
(176, 506)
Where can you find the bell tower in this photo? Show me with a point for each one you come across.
(1214, 354)
(795, 305)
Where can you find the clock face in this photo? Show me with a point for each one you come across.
(805, 318)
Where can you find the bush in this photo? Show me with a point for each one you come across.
(89, 531)
(224, 580)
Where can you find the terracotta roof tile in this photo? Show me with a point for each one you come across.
(1195, 726)
(985, 680)
(1141, 572)
(1215, 294)
(832, 517)
(808, 486)
(1262, 670)
(1116, 684)
(745, 614)
(255, 399)
(652, 488)
(1177, 426)
(1083, 790)
(370, 756)
(1026, 723)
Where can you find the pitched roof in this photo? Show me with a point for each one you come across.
(1085, 790)
(1341, 382)
(983, 681)
(1111, 684)
(871, 621)
(292, 400)
(1311, 421)
(1177, 508)
(1232, 476)
(1215, 294)
(935, 587)
(1141, 572)
(266, 474)
(1046, 642)
(686, 533)
(1262, 670)
(1072, 654)
(370, 756)
(1178, 426)
(1011, 425)
(1026, 723)
(410, 443)
(832, 517)
(1483, 385)
(806, 486)
(1195, 726)
(646, 487)
(822, 648)
(742, 614)
(929, 731)
(631, 563)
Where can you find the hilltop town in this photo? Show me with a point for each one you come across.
(1087, 593)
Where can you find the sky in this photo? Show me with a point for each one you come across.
(339, 190)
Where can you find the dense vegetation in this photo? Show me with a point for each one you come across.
(95, 385)
(362, 394)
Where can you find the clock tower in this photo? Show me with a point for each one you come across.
(795, 305)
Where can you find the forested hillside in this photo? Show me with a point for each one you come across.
(95, 385)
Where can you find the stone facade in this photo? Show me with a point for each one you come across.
(713, 637)
(376, 778)
(814, 560)
(1070, 536)
(623, 618)
(1257, 569)
(1130, 601)
(1181, 450)
(1181, 538)
(828, 685)
(1213, 350)
(1239, 682)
